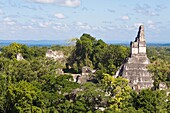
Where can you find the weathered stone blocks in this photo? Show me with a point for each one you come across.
(134, 68)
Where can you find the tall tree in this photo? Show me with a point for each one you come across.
(118, 90)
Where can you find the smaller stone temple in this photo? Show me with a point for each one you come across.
(56, 55)
(134, 67)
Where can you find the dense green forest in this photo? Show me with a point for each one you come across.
(32, 85)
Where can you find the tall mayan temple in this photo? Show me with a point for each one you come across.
(134, 68)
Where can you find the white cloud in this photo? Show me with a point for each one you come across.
(98, 28)
(152, 13)
(127, 27)
(70, 3)
(82, 25)
(27, 27)
(60, 27)
(59, 15)
(44, 1)
(85, 26)
(8, 21)
(33, 20)
(45, 24)
(79, 23)
(67, 3)
(151, 24)
(125, 18)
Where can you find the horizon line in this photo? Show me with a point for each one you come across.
(107, 41)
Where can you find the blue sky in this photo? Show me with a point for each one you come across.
(116, 20)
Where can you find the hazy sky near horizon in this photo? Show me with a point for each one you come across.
(116, 20)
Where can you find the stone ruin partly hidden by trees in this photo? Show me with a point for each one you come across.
(19, 56)
(134, 67)
(57, 55)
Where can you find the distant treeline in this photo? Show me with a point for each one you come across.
(65, 43)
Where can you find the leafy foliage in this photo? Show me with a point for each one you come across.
(32, 84)
(161, 72)
(118, 90)
(151, 101)
(97, 54)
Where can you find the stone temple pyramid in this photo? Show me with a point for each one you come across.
(134, 68)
